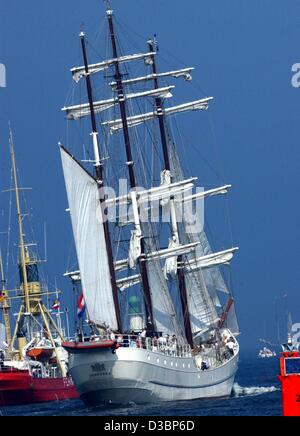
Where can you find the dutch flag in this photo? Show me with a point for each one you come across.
(56, 305)
(80, 306)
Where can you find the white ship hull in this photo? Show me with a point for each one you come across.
(142, 376)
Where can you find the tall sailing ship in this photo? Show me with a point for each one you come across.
(151, 288)
(33, 363)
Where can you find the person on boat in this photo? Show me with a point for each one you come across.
(2, 358)
(230, 345)
(204, 366)
(143, 336)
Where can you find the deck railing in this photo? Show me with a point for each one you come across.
(159, 345)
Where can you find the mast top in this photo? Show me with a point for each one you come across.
(109, 10)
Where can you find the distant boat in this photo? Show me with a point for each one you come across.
(266, 353)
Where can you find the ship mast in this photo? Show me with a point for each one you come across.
(130, 162)
(99, 176)
(20, 223)
(175, 234)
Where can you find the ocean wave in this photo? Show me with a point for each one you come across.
(239, 391)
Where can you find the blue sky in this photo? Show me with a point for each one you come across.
(243, 52)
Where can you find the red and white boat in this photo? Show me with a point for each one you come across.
(33, 364)
(18, 387)
(290, 379)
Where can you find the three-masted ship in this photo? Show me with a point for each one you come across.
(161, 332)
(33, 363)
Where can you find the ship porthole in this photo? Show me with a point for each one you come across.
(149, 358)
(157, 360)
(165, 362)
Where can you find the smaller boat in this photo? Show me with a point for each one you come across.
(33, 364)
(266, 353)
(290, 378)
(41, 352)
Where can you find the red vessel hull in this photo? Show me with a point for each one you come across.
(290, 385)
(19, 387)
(15, 387)
(53, 389)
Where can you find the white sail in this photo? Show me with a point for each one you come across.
(202, 296)
(83, 197)
(186, 73)
(164, 313)
(117, 125)
(232, 322)
(79, 72)
(213, 277)
(171, 263)
(82, 110)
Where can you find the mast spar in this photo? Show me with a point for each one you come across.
(175, 234)
(130, 163)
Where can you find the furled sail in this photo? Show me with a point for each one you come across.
(128, 282)
(117, 125)
(80, 111)
(83, 197)
(159, 193)
(178, 250)
(186, 73)
(79, 72)
(214, 259)
(210, 193)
